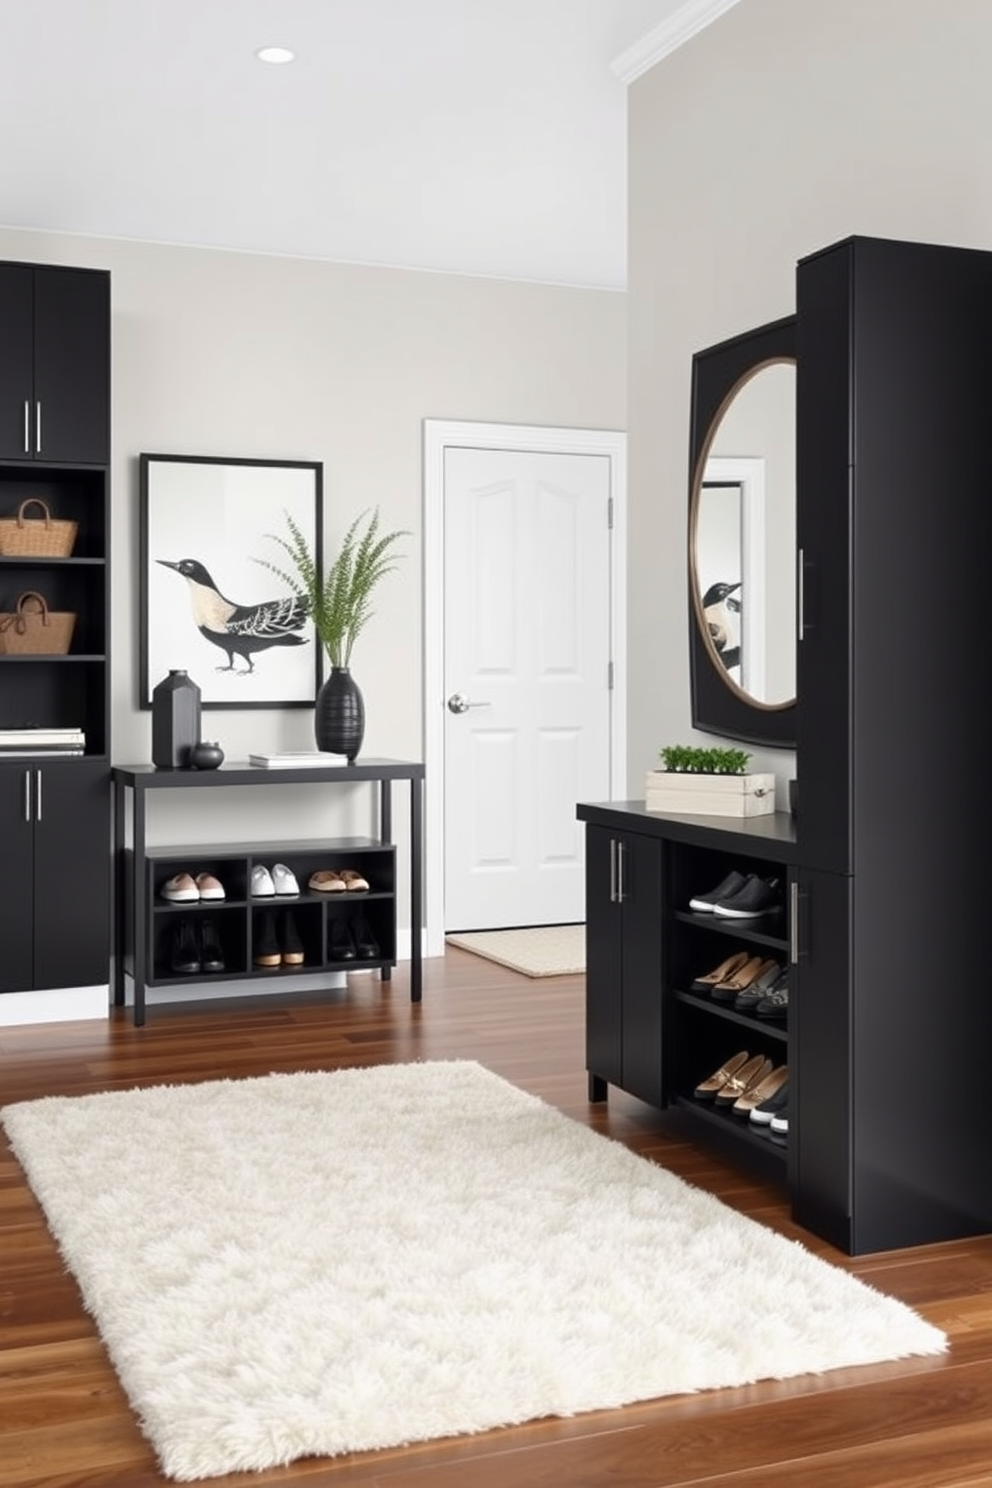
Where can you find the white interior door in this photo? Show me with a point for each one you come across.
(527, 679)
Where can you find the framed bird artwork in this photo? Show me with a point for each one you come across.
(208, 605)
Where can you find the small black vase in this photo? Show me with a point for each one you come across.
(339, 716)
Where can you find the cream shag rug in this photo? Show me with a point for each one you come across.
(544, 950)
(313, 1264)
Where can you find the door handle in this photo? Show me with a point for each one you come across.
(27, 795)
(37, 796)
(794, 922)
(459, 703)
(27, 426)
(800, 594)
(620, 886)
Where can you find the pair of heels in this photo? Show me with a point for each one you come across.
(735, 1080)
(352, 940)
(738, 974)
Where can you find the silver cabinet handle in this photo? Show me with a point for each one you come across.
(800, 594)
(27, 795)
(621, 851)
(794, 923)
(37, 427)
(27, 426)
(37, 796)
(458, 703)
(613, 870)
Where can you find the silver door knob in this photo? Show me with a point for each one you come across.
(459, 703)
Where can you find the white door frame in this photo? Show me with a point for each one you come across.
(440, 434)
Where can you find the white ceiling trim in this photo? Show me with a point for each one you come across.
(694, 16)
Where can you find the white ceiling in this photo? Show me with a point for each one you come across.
(476, 136)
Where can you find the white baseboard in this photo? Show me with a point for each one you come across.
(54, 1005)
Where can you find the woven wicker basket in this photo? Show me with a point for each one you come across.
(45, 536)
(32, 629)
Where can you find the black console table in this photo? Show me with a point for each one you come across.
(144, 920)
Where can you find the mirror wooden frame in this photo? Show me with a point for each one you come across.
(718, 705)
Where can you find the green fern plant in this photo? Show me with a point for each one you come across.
(686, 760)
(339, 602)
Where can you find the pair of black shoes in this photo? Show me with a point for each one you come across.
(740, 897)
(276, 941)
(352, 940)
(195, 948)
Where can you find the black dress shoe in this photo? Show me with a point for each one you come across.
(342, 941)
(211, 955)
(758, 896)
(266, 951)
(365, 942)
(184, 958)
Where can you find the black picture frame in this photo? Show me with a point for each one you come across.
(223, 514)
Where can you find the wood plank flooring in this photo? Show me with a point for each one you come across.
(64, 1420)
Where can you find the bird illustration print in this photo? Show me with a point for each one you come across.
(239, 630)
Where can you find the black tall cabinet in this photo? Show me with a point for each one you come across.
(892, 1016)
(54, 449)
(885, 914)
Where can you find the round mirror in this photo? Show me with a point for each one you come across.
(743, 523)
(742, 537)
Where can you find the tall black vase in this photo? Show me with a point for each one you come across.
(175, 720)
(339, 716)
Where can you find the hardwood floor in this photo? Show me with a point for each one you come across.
(64, 1420)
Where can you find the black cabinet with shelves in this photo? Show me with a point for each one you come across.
(55, 364)
(648, 1033)
(326, 925)
(54, 874)
(54, 448)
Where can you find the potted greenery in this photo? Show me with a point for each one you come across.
(339, 603)
(708, 782)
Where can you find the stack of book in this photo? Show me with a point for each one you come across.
(29, 743)
(296, 759)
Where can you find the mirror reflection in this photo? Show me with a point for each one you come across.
(744, 537)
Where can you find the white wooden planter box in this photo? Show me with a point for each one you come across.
(709, 795)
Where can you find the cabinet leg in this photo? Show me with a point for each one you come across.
(597, 1087)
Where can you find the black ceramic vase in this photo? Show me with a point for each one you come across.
(175, 720)
(339, 716)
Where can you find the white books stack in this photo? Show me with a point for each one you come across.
(297, 759)
(29, 743)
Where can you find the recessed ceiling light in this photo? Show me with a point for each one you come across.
(275, 54)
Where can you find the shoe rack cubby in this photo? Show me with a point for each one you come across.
(647, 1032)
(704, 1033)
(239, 919)
(328, 925)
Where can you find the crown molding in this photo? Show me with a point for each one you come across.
(694, 16)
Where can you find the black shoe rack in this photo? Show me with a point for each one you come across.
(166, 943)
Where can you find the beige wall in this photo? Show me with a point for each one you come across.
(235, 354)
(783, 127)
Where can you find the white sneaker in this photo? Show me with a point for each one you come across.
(262, 886)
(284, 881)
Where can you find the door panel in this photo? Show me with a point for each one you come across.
(527, 645)
(16, 913)
(72, 876)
